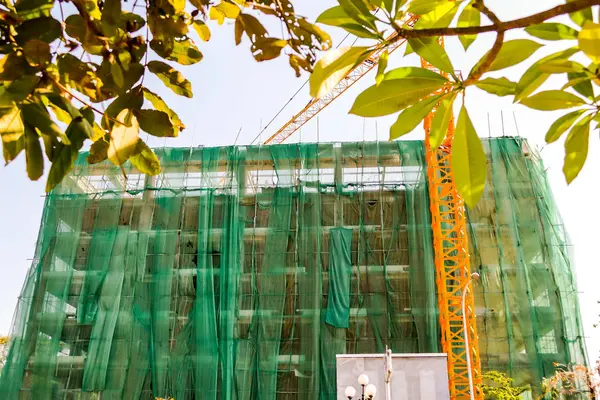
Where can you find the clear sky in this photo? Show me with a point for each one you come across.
(232, 91)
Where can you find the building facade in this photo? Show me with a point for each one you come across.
(240, 273)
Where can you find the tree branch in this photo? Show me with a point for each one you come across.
(489, 59)
(502, 26)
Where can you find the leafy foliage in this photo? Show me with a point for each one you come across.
(498, 386)
(419, 93)
(55, 73)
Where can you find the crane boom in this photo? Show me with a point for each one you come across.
(450, 239)
(315, 106)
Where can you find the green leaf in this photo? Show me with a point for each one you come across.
(411, 116)
(414, 72)
(37, 52)
(470, 16)
(132, 100)
(576, 149)
(116, 72)
(156, 123)
(582, 84)
(46, 29)
(183, 52)
(422, 7)
(440, 17)
(130, 22)
(111, 12)
(172, 78)
(19, 89)
(381, 66)
(581, 16)
(251, 25)
(31, 9)
(144, 159)
(441, 121)
(359, 11)
(33, 154)
(561, 66)
(11, 131)
(333, 67)
(13, 67)
(589, 40)
(65, 156)
(499, 87)
(561, 125)
(337, 16)
(39, 118)
(393, 95)
(533, 78)
(468, 160)
(432, 52)
(552, 31)
(99, 150)
(202, 30)
(160, 105)
(512, 53)
(123, 137)
(552, 100)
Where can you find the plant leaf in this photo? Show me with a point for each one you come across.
(422, 7)
(552, 31)
(513, 52)
(172, 78)
(37, 52)
(202, 30)
(576, 149)
(470, 16)
(144, 159)
(533, 78)
(39, 118)
(123, 137)
(332, 68)
(111, 12)
(411, 116)
(33, 154)
(552, 100)
(589, 40)
(183, 52)
(441, 121)
(429, 49)
(65, 156)
(499, 87)
(160, 105)
(46, 29)
(156, 123)
(440, 17)
(12, 131)
(98, 150)
(358, 11)
(414, 72)
(381, 66)
(468, 160)
(30, 9)
(561, 66)
(581, 83)
(393, 95)
(581, 16)
(561, 125)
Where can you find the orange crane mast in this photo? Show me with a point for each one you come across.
(450, 239)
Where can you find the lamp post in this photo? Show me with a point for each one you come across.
(368, 390)
(474, 276)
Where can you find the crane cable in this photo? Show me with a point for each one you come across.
(294, 95)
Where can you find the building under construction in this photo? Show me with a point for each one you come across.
(240, 273)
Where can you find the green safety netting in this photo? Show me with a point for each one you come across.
(240, 273)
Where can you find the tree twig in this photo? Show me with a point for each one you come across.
(534, 19)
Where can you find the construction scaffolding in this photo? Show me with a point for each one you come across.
(240, 273)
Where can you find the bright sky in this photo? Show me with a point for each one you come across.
(232, 91)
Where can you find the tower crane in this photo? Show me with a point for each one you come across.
(459, 340)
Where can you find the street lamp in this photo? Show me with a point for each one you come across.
(474, 276)
(368, 390)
